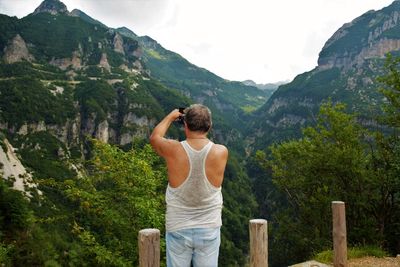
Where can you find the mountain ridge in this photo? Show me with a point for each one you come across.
(209, 85)
(348, 67)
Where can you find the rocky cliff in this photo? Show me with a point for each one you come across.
(347, 71)
(371, 35)
(16, 50)
(11, 168)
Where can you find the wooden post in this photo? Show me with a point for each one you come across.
(149, 248)
(258, 243)
(339, 234)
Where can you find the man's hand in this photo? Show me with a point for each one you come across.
(174, 114)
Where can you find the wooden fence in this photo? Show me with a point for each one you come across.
(149, 241)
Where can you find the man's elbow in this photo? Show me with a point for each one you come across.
(153, 140)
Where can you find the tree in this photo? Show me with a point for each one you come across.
(330, 162)
(391, 92)
(386, 159)
(337, 160)
(121, 195)
(94, 220)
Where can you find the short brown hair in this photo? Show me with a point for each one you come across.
(198, 118)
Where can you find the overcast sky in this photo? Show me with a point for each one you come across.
(262, 40)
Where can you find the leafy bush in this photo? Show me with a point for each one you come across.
(5, 251)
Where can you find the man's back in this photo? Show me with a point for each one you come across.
(178, 162)
(194, 199)
(195, 203)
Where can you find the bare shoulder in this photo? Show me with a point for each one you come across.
(220, 151)
(171, 143)
(165, 147)
(220, 148)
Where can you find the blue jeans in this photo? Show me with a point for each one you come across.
(197, 245)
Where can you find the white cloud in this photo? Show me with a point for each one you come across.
(18, 8)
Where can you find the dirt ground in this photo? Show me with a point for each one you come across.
(359, 262)
(375, 262)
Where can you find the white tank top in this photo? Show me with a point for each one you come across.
(196, 203)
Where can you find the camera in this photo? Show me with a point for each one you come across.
(181, 119)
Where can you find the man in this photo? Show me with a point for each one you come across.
(194, 200)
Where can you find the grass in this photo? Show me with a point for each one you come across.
(248, 108)
(153, 53)
(352, 253)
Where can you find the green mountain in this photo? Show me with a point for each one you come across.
(347, 68)
(92, 65)
(198, 83)
(87, 51)
(229, 100)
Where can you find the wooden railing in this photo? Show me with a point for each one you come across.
(339, 234)
(149, 241)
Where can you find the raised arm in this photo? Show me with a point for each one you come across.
(164, 147)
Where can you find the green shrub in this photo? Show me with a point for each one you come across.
(27, 100)
(14, 212)
(326, 256)
(5, 250)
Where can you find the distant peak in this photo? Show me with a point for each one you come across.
(85, 17)
(53, 7)
(76, 12)
(249, 82)
(127, 32)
